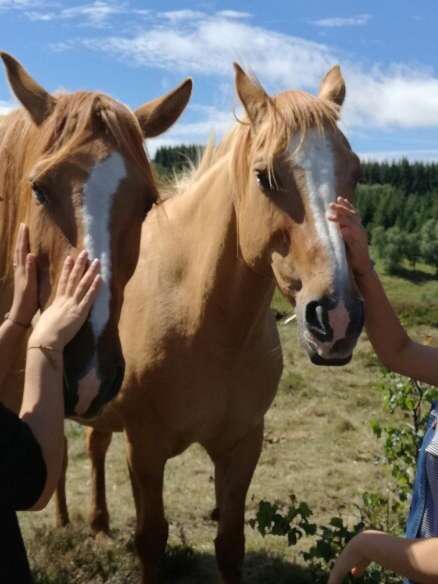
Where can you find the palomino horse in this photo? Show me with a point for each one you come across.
(203, 365)
(73, 168)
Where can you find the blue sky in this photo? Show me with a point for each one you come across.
(137, 50)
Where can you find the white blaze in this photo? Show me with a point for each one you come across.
(99, 192)
(314, 154)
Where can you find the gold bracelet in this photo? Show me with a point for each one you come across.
(17, 322)
(46, 350)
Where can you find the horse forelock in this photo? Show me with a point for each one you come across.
(290, 113)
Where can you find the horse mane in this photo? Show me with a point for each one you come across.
(76, 120)
(289, 113)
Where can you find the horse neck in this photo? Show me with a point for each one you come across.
(223, 287)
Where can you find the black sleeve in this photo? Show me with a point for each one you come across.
(22, 467)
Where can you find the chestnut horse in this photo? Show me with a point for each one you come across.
(203, 356)
(73, 167)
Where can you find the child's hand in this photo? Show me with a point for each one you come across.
(75, 295)
(25, 302)
(355, 236)
(350, 561)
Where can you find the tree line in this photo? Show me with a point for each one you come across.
(398, 202)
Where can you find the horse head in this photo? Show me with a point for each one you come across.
(82, 180)
(296, 161)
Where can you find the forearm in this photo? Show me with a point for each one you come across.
(389, 339)
(12, 339)
(43, 410)
(414, 559)
(383, 327)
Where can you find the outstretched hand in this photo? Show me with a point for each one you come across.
(354, 234)
(77, 289)
(25, 302)
(350, 561)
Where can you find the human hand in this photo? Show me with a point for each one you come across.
(75, 294)
(350, 561)
(25, 301)
(354, 234)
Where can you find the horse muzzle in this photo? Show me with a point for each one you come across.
(85, 397)
(330, 328)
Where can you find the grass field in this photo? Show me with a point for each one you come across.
(318, 444)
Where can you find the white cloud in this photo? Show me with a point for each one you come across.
(9, 4)
(181, 15)
(337, 22)
(98, 13)
(209, 45)
(394, 96)
(412, 155)
(233, 14)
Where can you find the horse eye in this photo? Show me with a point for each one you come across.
(264, 180)
(39, 193)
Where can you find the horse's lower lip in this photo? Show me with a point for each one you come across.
(335, 362)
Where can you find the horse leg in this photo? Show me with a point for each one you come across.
(61, 509)
(147, 474)
(236, 470)
(218, 481)
(97, 445)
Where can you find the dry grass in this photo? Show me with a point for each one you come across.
(318, 444)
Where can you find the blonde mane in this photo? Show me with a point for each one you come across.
(289, 113)
(76, 120)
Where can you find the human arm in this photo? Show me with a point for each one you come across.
(43, 402)
(393, 346)
(416, 559)
(13, 329)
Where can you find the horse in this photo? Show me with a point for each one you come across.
(74, 168)
(203, 355)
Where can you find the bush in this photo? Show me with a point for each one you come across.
(408, 403)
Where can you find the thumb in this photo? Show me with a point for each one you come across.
(359, 568)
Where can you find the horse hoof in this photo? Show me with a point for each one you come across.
(100, 525)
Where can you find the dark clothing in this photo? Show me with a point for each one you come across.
(22, 479)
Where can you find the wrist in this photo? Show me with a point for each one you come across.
(16, 321)
(20, 316)
(47, 340)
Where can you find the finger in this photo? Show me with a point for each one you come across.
(359, 568)
(65, 273)
(24, 244)
(90, 296)
(347, 209)
(30, 267)
(86, 280)
(76, 273)
(344, 214)
(346, 202)
(18, 246)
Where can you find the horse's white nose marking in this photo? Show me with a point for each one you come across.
(314, 154)
(99, 191)
(88, 388)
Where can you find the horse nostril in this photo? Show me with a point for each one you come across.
(317, 321)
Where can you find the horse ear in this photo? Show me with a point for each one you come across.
(159, 115)
(252, 95)
(33, 97)
(332, 87)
